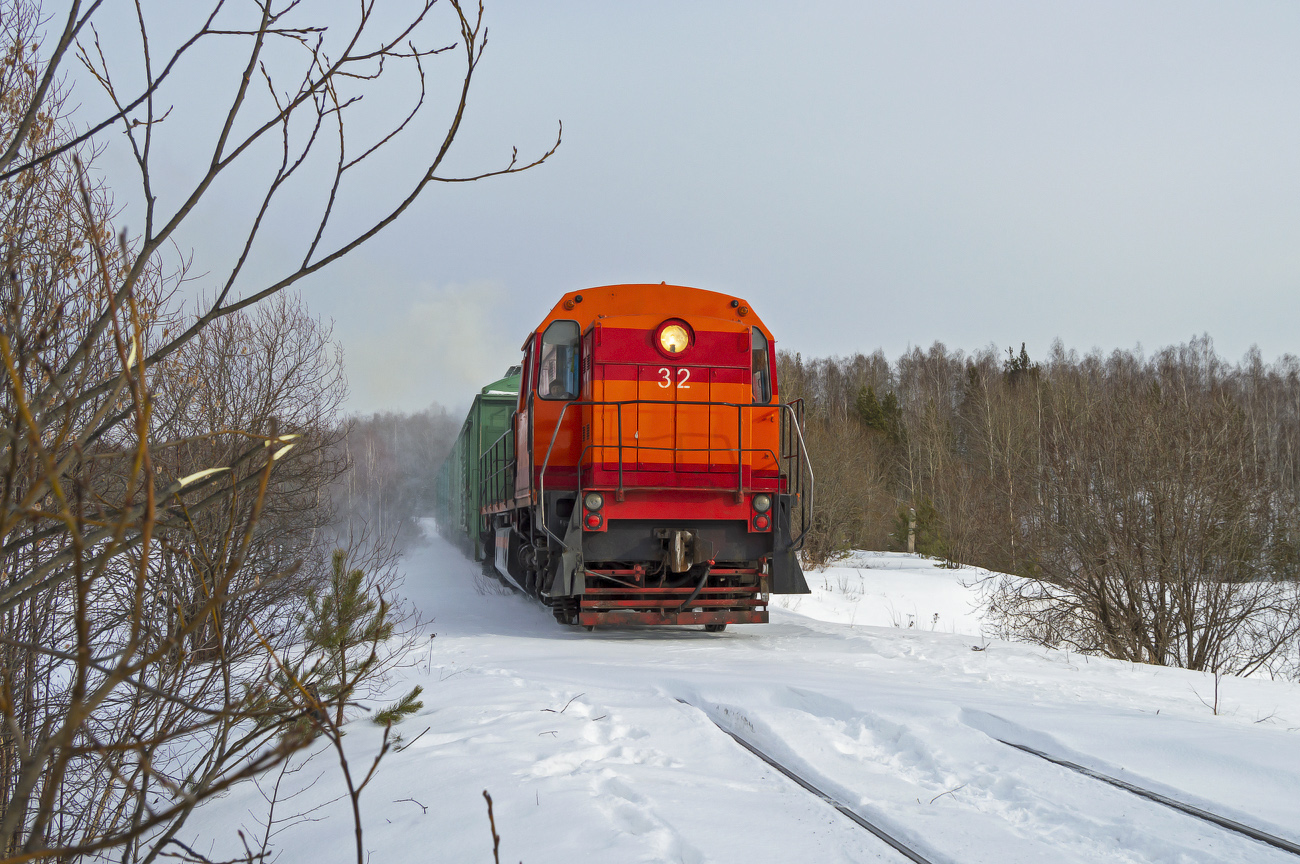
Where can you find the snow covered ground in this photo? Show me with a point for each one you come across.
(872, 687)
(892, 589)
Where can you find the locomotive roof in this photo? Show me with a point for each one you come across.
(671, 301)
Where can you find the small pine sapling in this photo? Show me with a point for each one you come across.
(343, 628)
(401, 709)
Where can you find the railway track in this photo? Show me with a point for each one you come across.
(907, 850)
(913, 853)
(1196, 812)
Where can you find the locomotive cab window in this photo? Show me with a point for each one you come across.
(557, 369)
(762, 375)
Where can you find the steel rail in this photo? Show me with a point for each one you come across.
(899, 846)
(1197, 812)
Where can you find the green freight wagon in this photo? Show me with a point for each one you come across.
(456, 495)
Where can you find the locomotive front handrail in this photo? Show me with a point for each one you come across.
(586, 448)
(739, 450)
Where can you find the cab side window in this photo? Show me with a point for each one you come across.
(557, 368)
(762, 375)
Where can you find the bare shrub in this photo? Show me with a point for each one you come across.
(1168, 538)
(164, 470)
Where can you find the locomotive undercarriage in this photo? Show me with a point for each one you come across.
(643, 571)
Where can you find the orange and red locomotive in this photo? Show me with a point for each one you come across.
(650, 473)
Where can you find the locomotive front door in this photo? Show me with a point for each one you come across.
(727, 423)
(672, 435)
(656, 423)
(692, 440)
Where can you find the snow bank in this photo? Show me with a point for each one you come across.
(892, 589)
(590, 755)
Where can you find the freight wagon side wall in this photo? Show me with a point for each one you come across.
(491, 416)
(457, 491)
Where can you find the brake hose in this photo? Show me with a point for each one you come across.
(698, 588)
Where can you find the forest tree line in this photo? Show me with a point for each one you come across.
(1146, 504)
(1143, 507)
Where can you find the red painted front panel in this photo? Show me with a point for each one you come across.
(666, 441)
(637, 345)
(684, 504)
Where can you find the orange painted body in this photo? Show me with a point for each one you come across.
(658, 437)
(652, 475)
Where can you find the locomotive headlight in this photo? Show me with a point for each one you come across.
(674, 339)
(594, 501)
(762, 503)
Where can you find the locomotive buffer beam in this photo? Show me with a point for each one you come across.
(739, 604)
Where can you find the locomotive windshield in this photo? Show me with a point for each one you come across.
(557, 372)
(761, 368)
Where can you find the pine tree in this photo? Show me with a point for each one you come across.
(929, 539)
(1017, 368)
(883, 415)
(343, 629)
(401, 709)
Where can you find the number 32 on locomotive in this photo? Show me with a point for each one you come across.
(683, 378)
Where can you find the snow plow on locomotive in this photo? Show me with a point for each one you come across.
(650, 473)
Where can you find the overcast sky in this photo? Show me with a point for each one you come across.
(869, 175)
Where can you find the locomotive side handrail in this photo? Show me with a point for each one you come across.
(785, 408)
(794, 418)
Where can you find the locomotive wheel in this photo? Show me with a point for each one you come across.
(714, 628)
